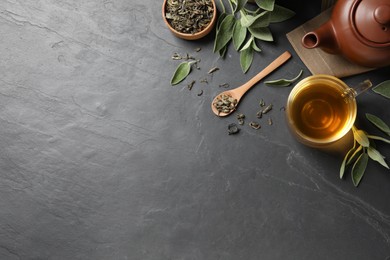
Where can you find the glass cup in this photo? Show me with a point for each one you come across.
(321, 109)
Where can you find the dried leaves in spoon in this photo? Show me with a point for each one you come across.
(283, 82)
(181, 72)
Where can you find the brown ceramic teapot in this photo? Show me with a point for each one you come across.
(358, 29)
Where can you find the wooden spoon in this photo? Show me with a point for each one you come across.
(237, 93)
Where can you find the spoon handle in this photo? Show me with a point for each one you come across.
(270, 68)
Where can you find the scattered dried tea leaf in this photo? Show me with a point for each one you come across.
(254, 125)
(189, 86)
(200, 93)
(240, 118)
(233, 129)
(212, 70)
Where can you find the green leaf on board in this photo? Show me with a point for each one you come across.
(379, 138)
(283, 82)
(261, 33)
(246, 58)
(266, 4)
(343, 164)
(378, 123)
(280, 14)
(220, 19)
(377, 156)
(359, 168)
(239, 35)
(361, 137)
(225, 32)
(181, 72)
(383, 89)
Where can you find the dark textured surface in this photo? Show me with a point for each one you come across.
(102, 159)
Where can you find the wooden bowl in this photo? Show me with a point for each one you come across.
(194, 36)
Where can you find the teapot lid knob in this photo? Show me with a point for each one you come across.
(382, 14)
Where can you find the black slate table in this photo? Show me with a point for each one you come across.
(102, 159)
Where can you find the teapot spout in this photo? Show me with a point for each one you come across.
(323, 37)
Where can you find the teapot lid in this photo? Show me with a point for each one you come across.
(371, 19)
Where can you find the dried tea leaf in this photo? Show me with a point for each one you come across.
(280, 14)
(283, 82)
(361, 137)
(239, 35)
(246, 58)
(378, 123)
(262, 33)
(212, 70)
(343, 164)
(359, 168)
(233, 129)
(224, 33)
(377, 156)
(181, 72)
(383, 89)
(266, 4)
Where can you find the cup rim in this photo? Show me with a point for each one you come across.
(316, 141)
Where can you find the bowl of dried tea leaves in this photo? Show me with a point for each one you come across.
(189, 19)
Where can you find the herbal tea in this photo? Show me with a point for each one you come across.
(320, 111)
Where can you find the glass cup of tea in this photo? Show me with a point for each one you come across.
(321, 109)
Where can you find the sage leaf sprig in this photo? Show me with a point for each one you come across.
(181, 72)
(383, 89)
(283, 82)
(378, 123)
(362, 150)
(244, 25)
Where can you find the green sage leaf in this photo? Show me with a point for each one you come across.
(343, 164)
(255, 47)
(361, 137)
(181, 72)
(239, 35)
(225, 32)
(383, 89)
(222, 52)
(355, 154)
(283, 82)
(280, 14)
(359, 168)
(377, 156)
(247, 44)
(378, 123)
(239, 5)
(246, 19)
(379, 138)
(261, 20)
(220, 19)
(246, 58)
(266, 4)
(261, 33)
